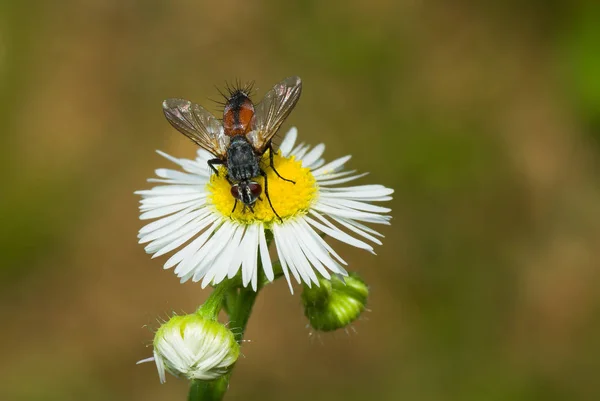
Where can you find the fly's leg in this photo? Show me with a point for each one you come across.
(215, 162)
(247, 207)
(234, 206)
(273, 167)
(262, 172)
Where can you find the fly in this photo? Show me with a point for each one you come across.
(241, 138)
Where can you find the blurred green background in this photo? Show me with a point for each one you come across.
(484, 117)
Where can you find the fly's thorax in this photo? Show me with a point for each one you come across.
(242, 163)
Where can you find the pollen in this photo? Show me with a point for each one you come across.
(288, 199)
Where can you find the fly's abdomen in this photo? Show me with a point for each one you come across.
(237, 114)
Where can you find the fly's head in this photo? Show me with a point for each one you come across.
(246, 192)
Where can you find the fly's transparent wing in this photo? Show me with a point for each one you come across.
(272, 111)
(197, 124)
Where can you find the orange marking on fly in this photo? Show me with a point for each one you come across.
(237, 114)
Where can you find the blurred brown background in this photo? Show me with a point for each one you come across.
(484, 116)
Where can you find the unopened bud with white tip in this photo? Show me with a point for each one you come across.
(194, 347)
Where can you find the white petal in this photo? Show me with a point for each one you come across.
(160, 366)
(175, 225)
(297, 148)
(314, 155)
(174, 240)
(219, 269)
(298, 258)
(215, 270)
(379, 190)
(170, 190)
(250, 262)
(349, 204)
(169, 209)
(307, 247)
(300, 151)
(190, 249)
(151, 359)
(179, 182)
(321, 249)
(363, 227)
(317, 164)
(202, 259)
(188, 165)
(214, 246)
(332, 166)
(336, 233)
(331, 176)
(290, 255)
(329, 181)
(288, 141)
(236, 255)
(348, 224)
(352, 214)
(282, 260)
(153, 202)
(264, 254)
(240, 255)
(358, 195)
(180, 177)
(157, 224)
(203, 155)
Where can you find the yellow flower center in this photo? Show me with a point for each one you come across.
(288, 199)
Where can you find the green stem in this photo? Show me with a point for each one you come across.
(241, 312)
(230, 300)
(238, 304)
(213, 390)
(213, 304)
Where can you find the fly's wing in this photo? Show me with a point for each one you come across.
(197, 124)
(272, 111)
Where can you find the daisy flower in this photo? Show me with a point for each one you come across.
(194, 214)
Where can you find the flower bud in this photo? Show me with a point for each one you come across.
(335, 303)
(194, 347)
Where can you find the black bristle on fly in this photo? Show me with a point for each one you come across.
(235, 88)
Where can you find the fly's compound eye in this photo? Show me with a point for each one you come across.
(255, 189)
(235, 191)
